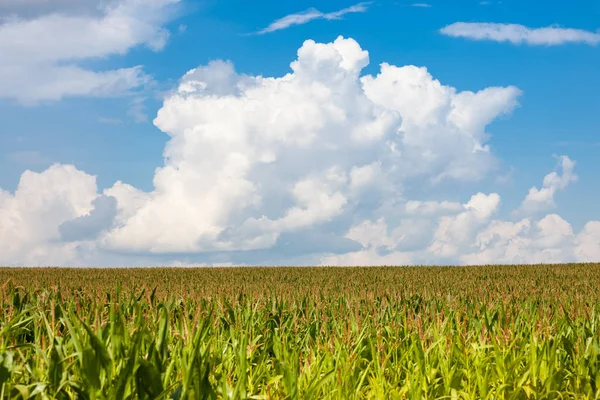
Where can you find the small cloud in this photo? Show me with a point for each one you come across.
(538, 200)
(422, 5)
(310, 15)
(519, 34)
(181, 28)
(29, 157)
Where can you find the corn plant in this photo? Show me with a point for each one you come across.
(490, 332)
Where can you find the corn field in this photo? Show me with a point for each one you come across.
(492, 332)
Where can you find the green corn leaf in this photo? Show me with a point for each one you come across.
(148, 380)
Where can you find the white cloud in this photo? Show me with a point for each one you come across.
(42, 55)
(422, 5)
(519, 34)
(310, 15)
(368, 257)
(365, 176)
(466, 239)
(543, 199)
(426, 108)
(587, 242)
(449, 233)
(273, 155)
(549, 240)
(264, 163)
(455, 232)
(371, 234)
(30, 218)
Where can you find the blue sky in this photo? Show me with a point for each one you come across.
(109, 133)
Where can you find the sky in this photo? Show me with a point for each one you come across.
(189, 132)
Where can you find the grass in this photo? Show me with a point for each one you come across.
(493, 332)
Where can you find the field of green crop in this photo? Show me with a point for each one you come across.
(494, 332)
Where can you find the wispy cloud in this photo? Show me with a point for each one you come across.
(423, 5)
(310, 15)
(45, 51)
(137, 110)
(519, 34)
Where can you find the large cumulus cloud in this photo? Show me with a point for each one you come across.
(318, 160)
(252, 157)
